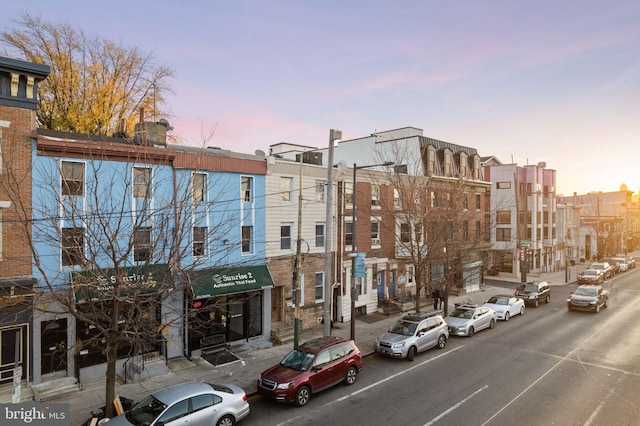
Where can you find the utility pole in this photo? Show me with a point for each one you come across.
(334, 135)
(297, 264)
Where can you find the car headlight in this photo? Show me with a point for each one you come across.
(398, 345)
(283, 385)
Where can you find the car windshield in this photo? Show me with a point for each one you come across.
(498, 300)
(587, 272)
(297, 360)
(403, 328)
(528, 287)
(461, 313)
(145, 411)
(594, 266)
(583, 291)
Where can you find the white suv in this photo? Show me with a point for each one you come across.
(413, 333)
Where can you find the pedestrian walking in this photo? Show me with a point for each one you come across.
(435, 295)
(442, 293)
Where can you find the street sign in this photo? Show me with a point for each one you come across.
(525, 243)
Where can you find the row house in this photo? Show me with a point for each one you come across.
(396, 234)
(297, 238)
(524, 215)
(18, 102)
(169, 240)
(609, 223)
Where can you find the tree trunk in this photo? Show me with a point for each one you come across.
(110, 382)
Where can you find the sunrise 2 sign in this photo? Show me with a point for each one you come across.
(100, 285)
(218, 281)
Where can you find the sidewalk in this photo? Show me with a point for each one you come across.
(245, 371)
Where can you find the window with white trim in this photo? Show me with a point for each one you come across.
(286, 188)
(319, 287)
(72, 174)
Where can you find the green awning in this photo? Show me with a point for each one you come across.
(219, 281)
(95, 285)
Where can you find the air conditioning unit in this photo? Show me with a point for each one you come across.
(375, 241)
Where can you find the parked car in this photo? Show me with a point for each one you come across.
(614, 264)
(315, 365)
(505, 306)
(534, 292)
(193, 403)
(623, 266)
(588, 298)
(413, 333)
(631, 262)
(466, 320)
(591, 276)
(604, 267)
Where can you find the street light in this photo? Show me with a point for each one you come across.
(353, 243)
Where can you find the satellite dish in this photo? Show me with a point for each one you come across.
(260, 152)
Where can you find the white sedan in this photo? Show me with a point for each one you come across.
(506, 306)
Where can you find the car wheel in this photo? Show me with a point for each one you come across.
(506, 316)
(522, 310)
(442, 341)
(492, 324)
(302, 396)
(411, 353)
(471, 332)
(350, 378)
(536, 303)
(548, 300)
(226, 421)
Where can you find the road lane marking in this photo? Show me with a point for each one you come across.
(378, 383)
(556, 365)
(455, 407)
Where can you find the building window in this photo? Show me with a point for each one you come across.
(319, 286)
(375, 233)
(319, 234)
(465, 230)
(72, 178)
(432, 199)
(286, 186)
(529, 217)
(396, 199)
(545, 217)
(447, 164)
(465, 201)
(478, 230)
(417, 233)
(198, 186)
(375, 195)
(503, 234)
(72, 246)
(432, 161)
(478, 202)
(348, 193)
(503, 185)
(199, 240)
(405, 233)
(247, 239)
(142, 244)
(503, 217)
(320, 190)
(246, 187)
(285, 236)
(141, 182)
(348, 233)
(410, 274)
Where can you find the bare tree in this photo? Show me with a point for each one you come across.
(121, 237)
(439, 227)
(94, 84)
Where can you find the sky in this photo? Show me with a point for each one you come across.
(526, 81)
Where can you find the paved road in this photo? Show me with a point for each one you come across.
(548, 367)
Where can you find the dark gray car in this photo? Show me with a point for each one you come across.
(534, 292)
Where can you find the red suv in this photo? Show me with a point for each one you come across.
(315, 365)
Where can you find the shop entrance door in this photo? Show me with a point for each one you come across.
(53, 346)
(12, 356)
(235, 307)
